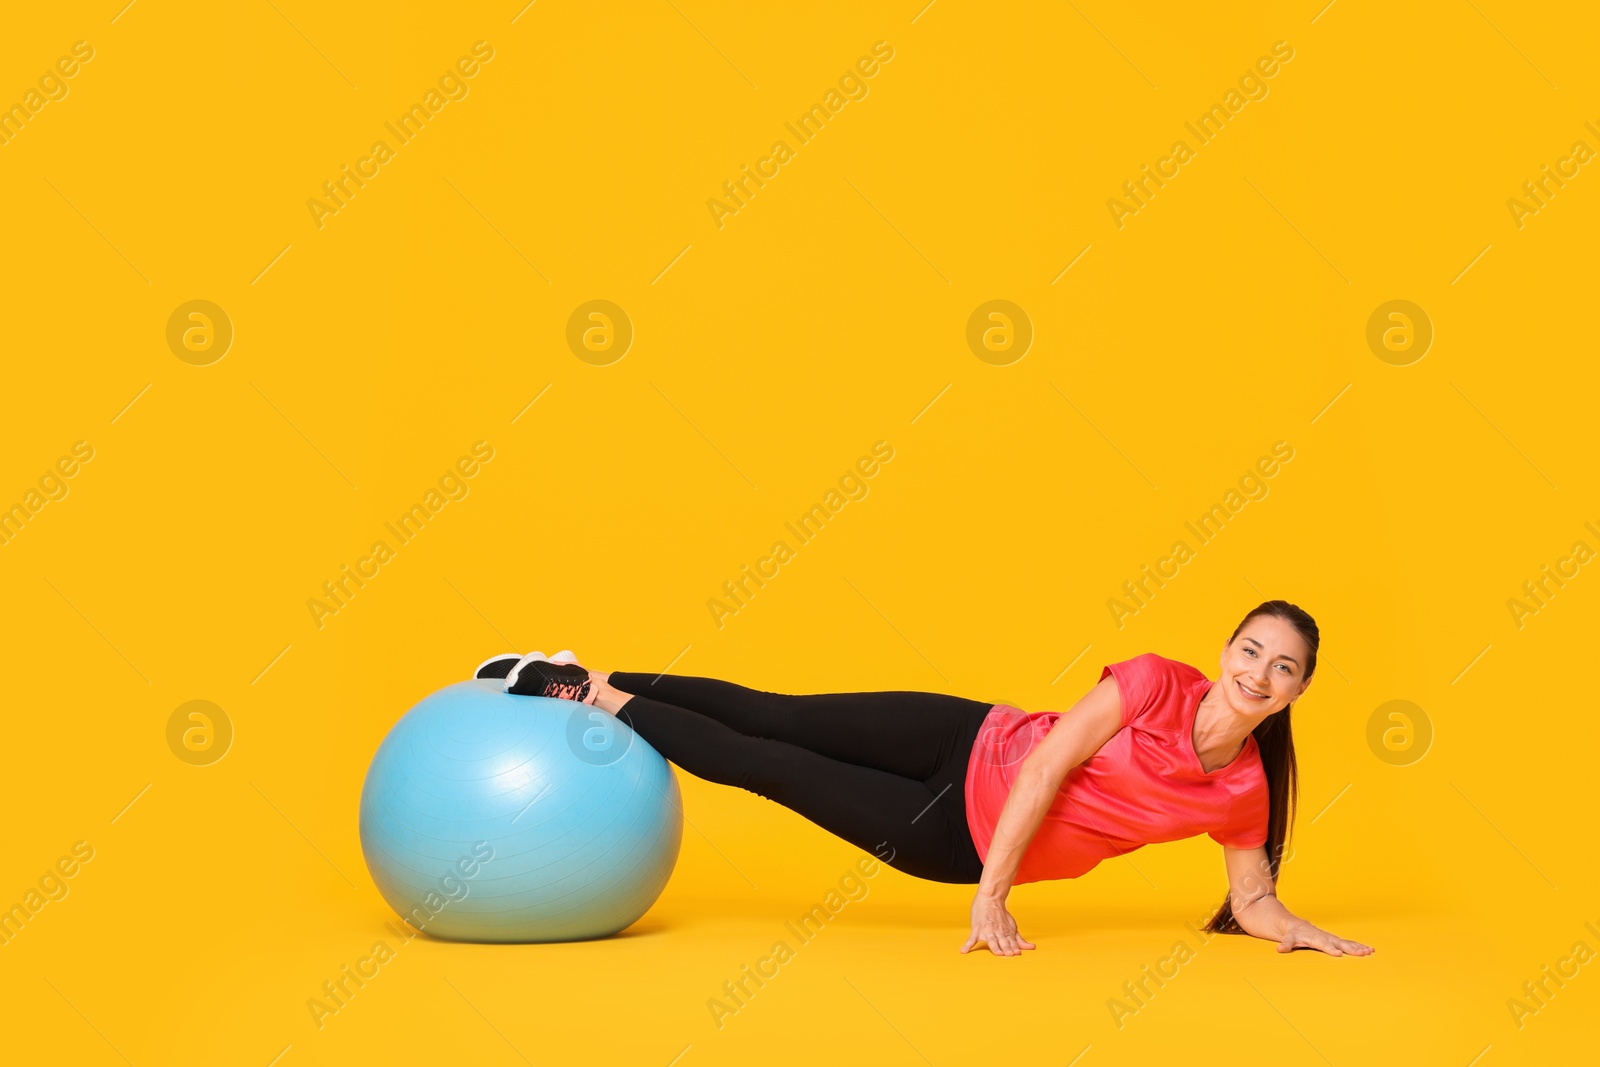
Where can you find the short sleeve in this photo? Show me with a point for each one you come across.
(1247, 822)
(1137, 684)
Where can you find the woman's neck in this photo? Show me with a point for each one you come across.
(1219, 730)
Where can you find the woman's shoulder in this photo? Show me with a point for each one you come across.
(1154, 688)
(1156, 664)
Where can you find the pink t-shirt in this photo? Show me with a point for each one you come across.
(1143, 786)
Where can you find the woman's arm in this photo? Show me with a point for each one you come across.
(1076, 735)
(1259, 912)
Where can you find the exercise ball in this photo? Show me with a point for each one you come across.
(488, 816)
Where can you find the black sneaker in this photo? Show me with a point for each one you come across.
(539, 677)
(497, 666)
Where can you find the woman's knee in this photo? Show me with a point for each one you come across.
(759, 765)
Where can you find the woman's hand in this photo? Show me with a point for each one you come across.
(1302, 934)
(995, 927)
(1075, 737)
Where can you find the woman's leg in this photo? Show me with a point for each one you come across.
(905, 733)
(914, 826)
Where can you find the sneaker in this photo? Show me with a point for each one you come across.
(564, 656)
(539, 677)
(498, 666)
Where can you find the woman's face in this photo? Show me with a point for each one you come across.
(1268, 658)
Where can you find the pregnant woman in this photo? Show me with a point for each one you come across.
(955, 790)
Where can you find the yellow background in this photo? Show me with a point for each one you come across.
(1226, 315)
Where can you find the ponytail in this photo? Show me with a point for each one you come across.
(1275, 742)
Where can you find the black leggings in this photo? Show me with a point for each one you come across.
(885, 771)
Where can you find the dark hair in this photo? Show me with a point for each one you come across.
(1275, 742)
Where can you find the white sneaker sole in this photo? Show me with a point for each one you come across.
(494, 659)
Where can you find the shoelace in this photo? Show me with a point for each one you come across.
(561, 681)
(566, 690)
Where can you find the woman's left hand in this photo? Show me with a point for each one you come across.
(1302, 934)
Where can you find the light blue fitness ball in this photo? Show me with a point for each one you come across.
(488, 816)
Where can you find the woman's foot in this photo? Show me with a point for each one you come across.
(534, 675)
(502, 665)
(505, 665)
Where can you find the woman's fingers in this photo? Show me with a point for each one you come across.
(1006, 945)
(1313, 937)
(1001, 940)
(1326, 944)
(1015, 943)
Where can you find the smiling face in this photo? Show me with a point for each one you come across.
(1265, 666)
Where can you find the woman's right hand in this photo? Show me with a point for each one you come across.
(993, 925)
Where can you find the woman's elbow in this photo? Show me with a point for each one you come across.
(1037, 780)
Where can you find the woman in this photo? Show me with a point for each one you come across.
(954, 790)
